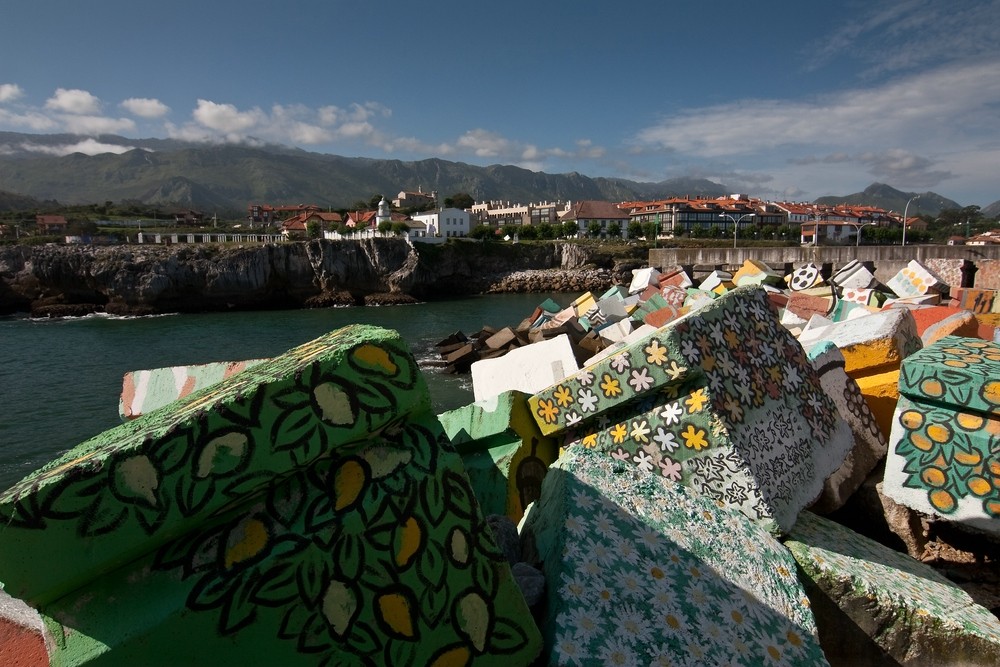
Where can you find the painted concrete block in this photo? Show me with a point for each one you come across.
(526, 369)
(805, 306)
(23, 640)
(912, 613)
(943, 460)
(717, 282)
(873, 348)
(951, 270)
(675, 276)
(643, 278)
(865, 297)
(697, 299)
(674, 295)
(146, 390)
(642, 572)
(757, 428)
(505, 454)
(613, 307)
(376, 554)
(916, 280)
(805, 277)
(753, 272)
(974, 299)
(936, 322)
(582, 304)
(870, 445)
(614, 332)
(854, 275)
(133, 489)
(849, 310)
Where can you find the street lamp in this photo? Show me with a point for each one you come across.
(736, 223)
(905, 211)
(859, 226)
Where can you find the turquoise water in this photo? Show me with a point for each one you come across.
(60, 379)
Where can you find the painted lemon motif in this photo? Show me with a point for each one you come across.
(409, 540)
(458, 546)
(991, 392)
(394, 608)
(979, 486)
(939, 433)
(933, 476)
(348, 483)
(251, 538)
(942, 500)
(932, 387)
(375, 356)
(969, 422)
(474, 619)
(457, 656)
(911, 420)
(136, 477)
(334, 404)
(340, 604)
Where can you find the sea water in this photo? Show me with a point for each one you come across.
(60, 379)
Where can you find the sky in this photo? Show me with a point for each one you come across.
(778, 99)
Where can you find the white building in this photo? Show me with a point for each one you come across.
(446, 222)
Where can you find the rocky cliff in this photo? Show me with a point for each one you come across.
(146, 279)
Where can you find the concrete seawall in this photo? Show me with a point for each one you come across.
(983, 268)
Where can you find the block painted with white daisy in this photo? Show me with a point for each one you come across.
(641, 571)
(764, 435)
(911, 612)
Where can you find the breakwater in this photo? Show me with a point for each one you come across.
(975, 266)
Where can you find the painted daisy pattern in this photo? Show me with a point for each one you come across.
(702, 584)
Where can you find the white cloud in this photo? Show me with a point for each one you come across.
(31, 120)
(73, 101)
(145, 107)
(10, 92)
(226, 119)
(87, 146)
(97, 125)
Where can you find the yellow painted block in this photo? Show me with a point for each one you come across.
(881, 392)
(584, 303)
(872, 356)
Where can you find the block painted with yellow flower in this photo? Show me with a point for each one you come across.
(724, 400)
(944, 457)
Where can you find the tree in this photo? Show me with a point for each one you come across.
(511, 230)
(385, 227)
(462, 200)
(482, 232)
(570, 228)
(527, 232)
(374, 202)
(635, 229)
(313, 229)
(650, 230)
(400, 228)
(594, 229)
(546, 231)
(614, 230)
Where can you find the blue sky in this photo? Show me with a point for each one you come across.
(780, 99)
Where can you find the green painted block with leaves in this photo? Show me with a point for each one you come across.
(376, 554)
(132, 489)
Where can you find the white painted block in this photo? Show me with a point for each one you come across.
(529, 369)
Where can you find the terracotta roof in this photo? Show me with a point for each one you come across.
(592, 209)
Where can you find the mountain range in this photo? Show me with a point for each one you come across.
(224, 179)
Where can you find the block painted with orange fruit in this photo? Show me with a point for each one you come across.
(944, 458)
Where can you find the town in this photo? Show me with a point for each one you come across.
(428, 218)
